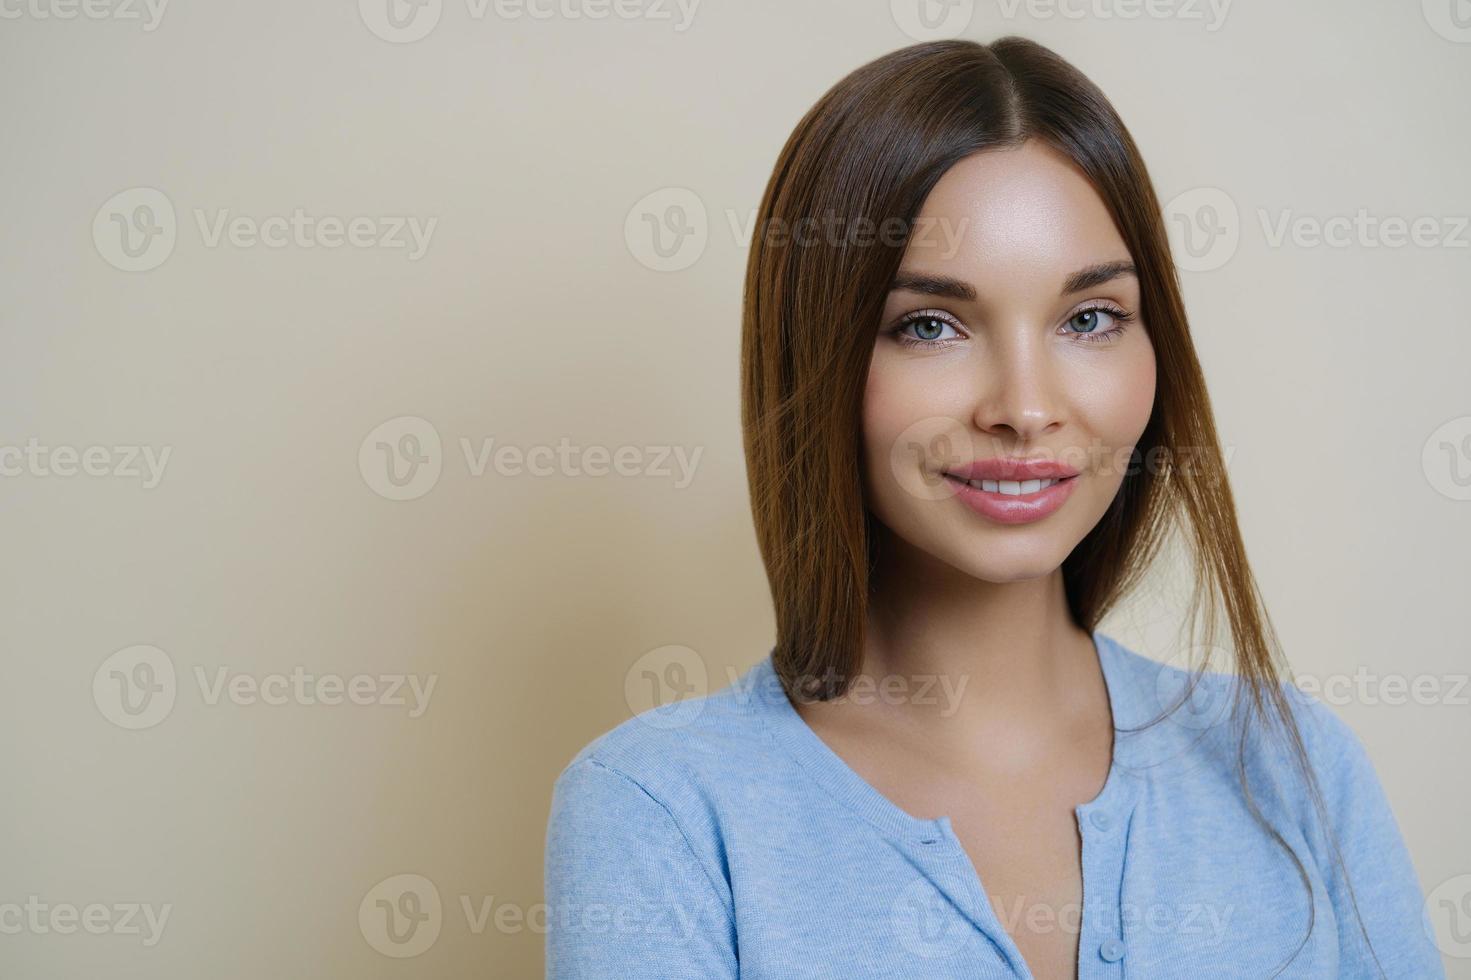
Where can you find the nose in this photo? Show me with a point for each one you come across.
(1019, 394)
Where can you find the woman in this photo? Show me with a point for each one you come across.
(973, 416)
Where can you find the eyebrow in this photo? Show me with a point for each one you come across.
(1085, 278)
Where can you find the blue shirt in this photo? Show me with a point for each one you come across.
(720, 837)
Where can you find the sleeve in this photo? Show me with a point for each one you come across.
(626, 894)
(1388, 893)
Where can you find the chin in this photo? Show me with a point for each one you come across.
(1010, 556)
(1001, 569)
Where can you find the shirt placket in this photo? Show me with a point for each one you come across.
(950, 869)
(1102, 941)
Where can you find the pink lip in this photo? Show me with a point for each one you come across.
(1008, 509)
(1004, 468)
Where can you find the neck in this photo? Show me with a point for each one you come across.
(1009, 652)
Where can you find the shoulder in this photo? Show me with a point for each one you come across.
(1340, 761)
(633, 833)
(669, 752)
(1199, 714)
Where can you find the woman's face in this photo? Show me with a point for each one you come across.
(1012, 332)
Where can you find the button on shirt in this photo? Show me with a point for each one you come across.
(720, 837)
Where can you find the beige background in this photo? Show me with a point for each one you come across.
(540, 311)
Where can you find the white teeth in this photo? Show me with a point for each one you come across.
(1012, 488)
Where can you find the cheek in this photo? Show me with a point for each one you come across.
(892, 404)
(913, 426)
(879, 408)
(881, 426)
(897, 402)
(899, 393)
(1115, 404)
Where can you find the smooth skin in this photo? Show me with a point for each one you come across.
(1020, 368)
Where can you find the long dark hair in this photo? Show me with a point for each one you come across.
(871, 149)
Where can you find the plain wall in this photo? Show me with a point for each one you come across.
(271, 540)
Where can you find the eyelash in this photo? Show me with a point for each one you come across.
(1122, 317)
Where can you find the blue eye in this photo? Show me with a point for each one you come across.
(927, 329)
(1091, 328)
(932, 328)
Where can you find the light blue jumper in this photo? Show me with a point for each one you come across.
(720, 837)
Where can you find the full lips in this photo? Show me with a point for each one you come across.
(1021, 509)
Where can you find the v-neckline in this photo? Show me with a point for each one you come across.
(933, 842)
(843, 782)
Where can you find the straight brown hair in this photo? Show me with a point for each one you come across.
(870, 150)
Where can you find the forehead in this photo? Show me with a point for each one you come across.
(1018, 216)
